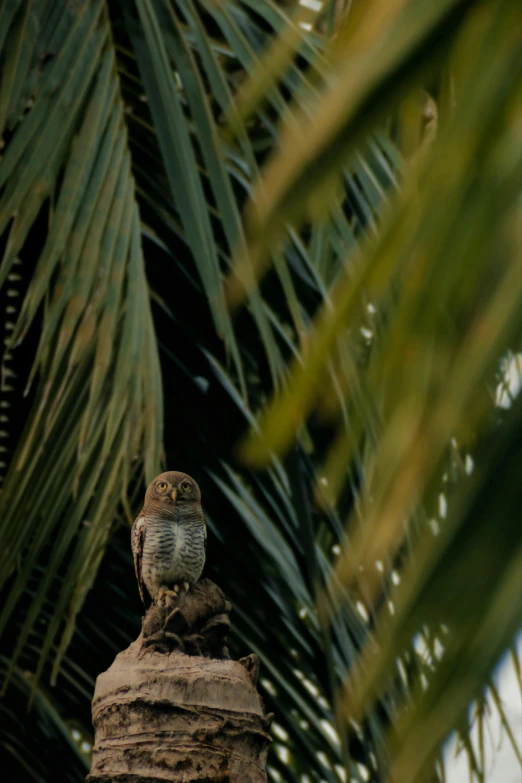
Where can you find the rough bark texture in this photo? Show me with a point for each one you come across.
(174, 707)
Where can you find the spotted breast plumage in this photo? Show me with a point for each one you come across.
(169, 536)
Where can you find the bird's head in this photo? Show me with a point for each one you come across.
(169, 490)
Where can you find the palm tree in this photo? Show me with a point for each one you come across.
(136, 135)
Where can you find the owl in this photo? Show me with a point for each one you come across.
(169, 536)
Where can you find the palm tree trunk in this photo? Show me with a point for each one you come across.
(174, 707)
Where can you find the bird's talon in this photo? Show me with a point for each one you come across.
(163, 592)
(160, 595)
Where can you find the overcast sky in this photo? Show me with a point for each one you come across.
(502, 764)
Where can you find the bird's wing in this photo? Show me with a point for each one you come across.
(137, 540)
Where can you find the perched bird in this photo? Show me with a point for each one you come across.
(169, 536)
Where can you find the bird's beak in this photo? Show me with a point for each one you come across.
(174, 495)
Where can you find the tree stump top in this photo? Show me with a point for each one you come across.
(174, 707)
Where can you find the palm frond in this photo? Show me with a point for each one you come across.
(415, 332)
(94, 382)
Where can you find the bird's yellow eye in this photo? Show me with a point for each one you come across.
(161, 486)
(186, 486)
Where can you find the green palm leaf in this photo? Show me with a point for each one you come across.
(450, 310)
(97, 396)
